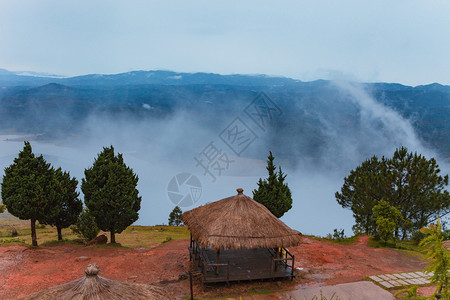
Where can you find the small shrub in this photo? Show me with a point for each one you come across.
(86, 226)
(14, 232)
(439, 257)
(410, 294)
(445, 231)
(40, 226)
(168, 239)
(337, 235)
(322, 297)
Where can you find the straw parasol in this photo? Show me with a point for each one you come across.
(238, 222)
(94, 287)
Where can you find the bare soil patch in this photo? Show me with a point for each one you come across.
(25, 270)
(331, 263)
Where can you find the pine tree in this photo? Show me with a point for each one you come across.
(110, 192)
(407, 181)
(28, 189)
(362, 189)
(272, 192)
(175, 217)
(70, 206)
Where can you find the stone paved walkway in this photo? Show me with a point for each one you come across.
(402, 279)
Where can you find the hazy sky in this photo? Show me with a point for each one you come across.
(404, 41)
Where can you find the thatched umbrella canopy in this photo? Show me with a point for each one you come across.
(238, 222)
(94, 287)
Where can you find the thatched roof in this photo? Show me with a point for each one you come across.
(238, 222)
(94, 287)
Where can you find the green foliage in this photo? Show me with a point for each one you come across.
(361, 191)
(323, 297)
(272, 192)
(410, 294)
(28, 189)
(407, 181)
(110, 192)
(85, 226)
(2, 208)
(40, 226)
(445, 231)
(168, 239)
(439, 256)
(175, 217)
(337, 235)
(387, 219)
(66, 196)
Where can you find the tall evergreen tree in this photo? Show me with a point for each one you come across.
(362, 189)
(110, 192)
(28, 189)
(272, 192)
(418, 189)
(70, 206)
(407, 181)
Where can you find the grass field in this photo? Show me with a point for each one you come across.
(133, 237)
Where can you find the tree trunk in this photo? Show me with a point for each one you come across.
(404, 234)
(33, 232)
(59, 233)
(113, 237)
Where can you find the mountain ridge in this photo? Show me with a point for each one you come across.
(165, 77)
(59, 106)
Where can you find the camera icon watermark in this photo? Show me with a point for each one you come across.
(184, 189)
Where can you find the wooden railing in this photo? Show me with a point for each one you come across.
(203, 262)
(282, 257)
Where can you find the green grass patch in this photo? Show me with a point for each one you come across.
(408, 246)
(133, 237)
(401, 244)
(344, 241)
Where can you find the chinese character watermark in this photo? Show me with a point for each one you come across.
(262, 110)
(213, 161)
(238, 136)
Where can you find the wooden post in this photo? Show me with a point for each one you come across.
(191, 248)
(190, 283)
(217, 261)
(277, 255)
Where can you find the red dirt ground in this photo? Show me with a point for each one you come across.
(24, 270)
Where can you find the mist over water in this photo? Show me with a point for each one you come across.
(159, 149)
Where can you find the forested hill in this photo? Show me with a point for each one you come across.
(55, 106)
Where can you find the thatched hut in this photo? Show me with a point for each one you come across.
(237, 238)
(94, 287)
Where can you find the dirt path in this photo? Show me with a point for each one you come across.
(331, 263)
(25, 270)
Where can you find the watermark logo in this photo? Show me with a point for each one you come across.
(184, 189)
(262, 110)
(238, 136)
(213, 161)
